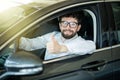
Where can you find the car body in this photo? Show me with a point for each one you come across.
(101, 24)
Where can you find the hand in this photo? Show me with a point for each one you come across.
(55, 47)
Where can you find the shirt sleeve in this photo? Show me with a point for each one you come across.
(34, 43)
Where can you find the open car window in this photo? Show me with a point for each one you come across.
(88, 30)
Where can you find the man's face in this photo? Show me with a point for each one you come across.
(69, 27)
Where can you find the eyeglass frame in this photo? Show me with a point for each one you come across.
(76, 24)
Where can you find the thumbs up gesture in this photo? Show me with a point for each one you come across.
(54, 47)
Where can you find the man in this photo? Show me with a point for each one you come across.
(62, 43)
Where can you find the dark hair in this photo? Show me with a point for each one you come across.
(78, 15)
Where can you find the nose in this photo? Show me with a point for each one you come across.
(68, 26)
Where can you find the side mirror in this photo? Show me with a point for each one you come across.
(22, 63)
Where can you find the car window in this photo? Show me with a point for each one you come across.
(87, 30)
(116, 12)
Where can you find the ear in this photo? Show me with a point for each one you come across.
(79, 27)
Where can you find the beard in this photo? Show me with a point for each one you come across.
(68, 36)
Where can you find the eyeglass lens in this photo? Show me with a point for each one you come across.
(71, 24)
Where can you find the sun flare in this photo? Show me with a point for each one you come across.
(5, 4)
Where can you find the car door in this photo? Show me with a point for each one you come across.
(88, 67)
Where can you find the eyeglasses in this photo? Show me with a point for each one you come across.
(71, 24)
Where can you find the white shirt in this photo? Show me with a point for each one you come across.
(75, 45)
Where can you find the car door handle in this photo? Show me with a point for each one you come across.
(95, 65)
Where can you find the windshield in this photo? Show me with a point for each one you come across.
(19, 9)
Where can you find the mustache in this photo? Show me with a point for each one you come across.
(67, 30)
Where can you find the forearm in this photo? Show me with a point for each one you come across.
(25, 44)
(31, 44)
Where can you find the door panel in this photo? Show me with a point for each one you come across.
(72, 66)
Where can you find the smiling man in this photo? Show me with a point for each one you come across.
(62, 43)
